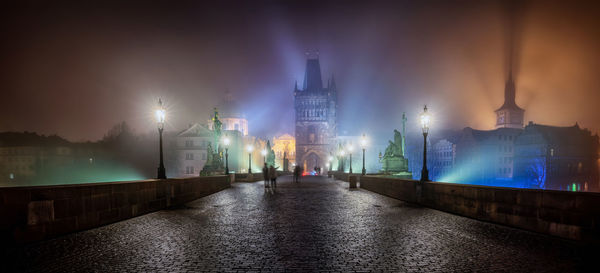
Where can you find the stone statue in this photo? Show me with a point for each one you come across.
(270, 155)
(286, 162)
(217, 125)
(393, 161)
(214, 158)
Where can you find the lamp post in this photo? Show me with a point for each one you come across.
(363, 144)
(425, 119)
(160, 119)
(264, 154)
(341, 161)
(249, 148)
(350, 148)
(226, 143)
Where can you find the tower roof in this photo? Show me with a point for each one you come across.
(509, 95)
(312, 76)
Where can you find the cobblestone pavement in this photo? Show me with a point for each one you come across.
(317, 225)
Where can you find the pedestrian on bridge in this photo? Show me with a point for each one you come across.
(266, 175)
(273, 175)
(297, 174)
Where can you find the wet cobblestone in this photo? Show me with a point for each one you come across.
(315, 226)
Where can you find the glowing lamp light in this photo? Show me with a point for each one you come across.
(425, 120)
(250, 148)
(263, 152)
(350, 148)
(327, 165)
(363, 141)
(160, 114)
(342, 152)
(226, 141)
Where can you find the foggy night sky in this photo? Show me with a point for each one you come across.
(77, 69)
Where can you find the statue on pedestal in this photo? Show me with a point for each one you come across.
(214, 159)
(393, 160)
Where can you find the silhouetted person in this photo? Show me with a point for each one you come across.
(266, 175)
(273, 175)
(297, 174)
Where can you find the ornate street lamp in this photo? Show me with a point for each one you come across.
(249, 148)
(425, 120)
(264, 154)
(226, 144)
(363, 145)
(350, 148)
(160, 119)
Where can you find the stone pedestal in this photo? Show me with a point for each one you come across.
(352, 180)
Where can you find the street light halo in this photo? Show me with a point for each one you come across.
(226, 141)
(160, 114)
(425, 120)
(363, 141)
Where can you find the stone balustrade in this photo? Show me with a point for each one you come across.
(572, 215)
(35, 213)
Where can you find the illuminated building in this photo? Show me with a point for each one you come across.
(443, 154)
(552, 157)
(316, 118)
(191, 149)
(191, 145)
(284, 144)
(486, 156)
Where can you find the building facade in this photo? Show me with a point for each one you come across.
(191, 147)
(486, 156)
(562, 158)
(443, 155)
(284, 145)
(316, 118)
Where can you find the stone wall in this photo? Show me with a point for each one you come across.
(340, 175)
(572, 215)
(35, 213)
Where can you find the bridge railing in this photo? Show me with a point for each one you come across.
(573, 215)
(35, 213)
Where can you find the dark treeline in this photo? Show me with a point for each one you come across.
(28, 158)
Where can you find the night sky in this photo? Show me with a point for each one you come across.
(76, 69)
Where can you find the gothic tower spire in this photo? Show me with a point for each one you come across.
(312, 76)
